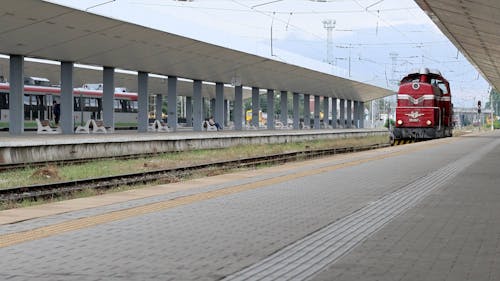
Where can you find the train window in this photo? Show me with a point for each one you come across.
(4, 101)
(27, 100)
(93, 102)
(76, 104)
(117, 105)
(125, 105)
(135, 106)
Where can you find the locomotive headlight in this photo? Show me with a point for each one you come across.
(428, 122)
(400, 122)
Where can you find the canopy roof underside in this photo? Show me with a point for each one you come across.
(38, 29)
(474, 28)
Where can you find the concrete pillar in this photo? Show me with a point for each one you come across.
(226, 113)
(316, 112)
(342, 113)
(219, 103)
(307, 110)
(349, 113)
(284, 107)
(356, 115)
(326, 112)
(296, 113)
(172, 103)
(255, 106)
(334, 113)
(197, 106)
(362, 115)
(159, 106)
(142, 102)
(67, 101)
(108, 109)
(16, 96)
(189, 111)
(238, 107)
(204, 109)
(270, 109)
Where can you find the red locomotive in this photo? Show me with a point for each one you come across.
(424, 109)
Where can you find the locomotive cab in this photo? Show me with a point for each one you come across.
(424, 109)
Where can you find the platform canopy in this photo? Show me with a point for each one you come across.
(157, 84)
(474, 28)
(38, 29)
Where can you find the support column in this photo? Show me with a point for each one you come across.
(270, 109)
(67, 101)
(108, 97)
(219, 103)
(326, 112)
(159, 107)
(189, 112)
(362, 114)
(334, 113)
(238, 107)
(349, 114)
(316, 112)
(296, 113)
(142, 102)
(226, 113)
(342, 113)
(16, 96)
(172, 103)
(307, 110)
(284, 108)
(255, 107)
(197, 106)
(356, 114)
(204, 109)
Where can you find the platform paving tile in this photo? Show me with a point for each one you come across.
(143, 197)
(454, 234)
(214, 238)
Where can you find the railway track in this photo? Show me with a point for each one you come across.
(57, 189)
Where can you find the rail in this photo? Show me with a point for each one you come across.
(63, 188)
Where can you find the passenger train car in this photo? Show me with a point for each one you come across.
(39, 96)
(424, 109)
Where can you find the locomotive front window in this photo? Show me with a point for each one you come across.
(443, 88)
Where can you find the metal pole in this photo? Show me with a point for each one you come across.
(491, 109)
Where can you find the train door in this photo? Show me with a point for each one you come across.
(49, 107)
(40, 106)
(99, 109)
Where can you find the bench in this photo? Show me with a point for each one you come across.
(43, 127)
(207, 127)
(162, 126)
(84, 129)
(98, 126)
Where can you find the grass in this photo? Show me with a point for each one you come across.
(32, 176)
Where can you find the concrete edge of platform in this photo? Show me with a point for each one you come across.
(70, 148)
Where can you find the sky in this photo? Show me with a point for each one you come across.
(373, 41)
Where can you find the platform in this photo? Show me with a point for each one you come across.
(30, 147)
(425, 211)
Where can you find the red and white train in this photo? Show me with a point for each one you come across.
(424, 109)
(39, 96)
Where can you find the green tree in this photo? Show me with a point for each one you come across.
(495, 101)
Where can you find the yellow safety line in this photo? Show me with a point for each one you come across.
(47, 231)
